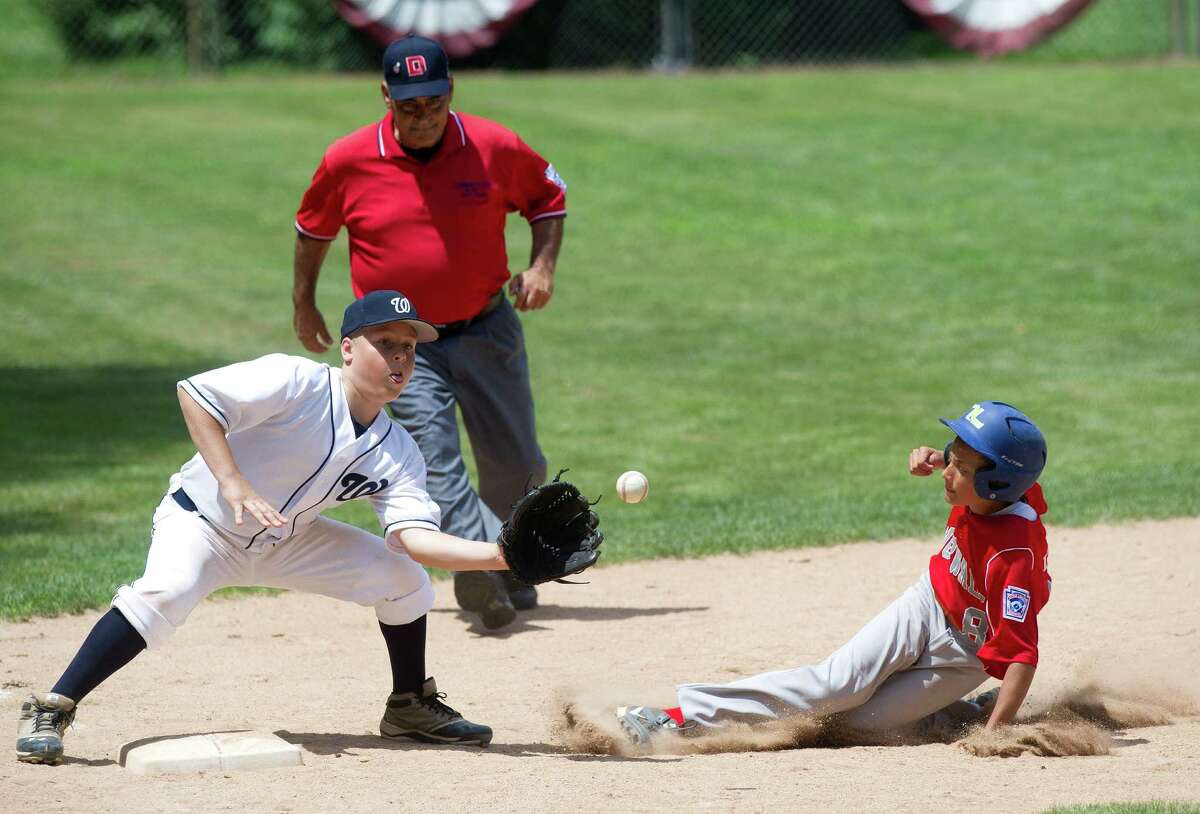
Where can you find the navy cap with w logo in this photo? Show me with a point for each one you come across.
(416, 66)
(382, 307)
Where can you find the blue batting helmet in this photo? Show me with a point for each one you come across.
(1009, 440)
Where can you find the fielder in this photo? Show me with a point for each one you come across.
(972, 614)
(279, 440)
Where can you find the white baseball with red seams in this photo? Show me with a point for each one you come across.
(632, 486)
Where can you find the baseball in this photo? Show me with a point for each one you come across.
(632, 486)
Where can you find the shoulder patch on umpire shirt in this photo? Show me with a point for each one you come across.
(553, 177)
(1016, 603)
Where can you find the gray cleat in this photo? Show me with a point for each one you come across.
(643, 723)
(985, 701)
(44, 719)
(425, 718)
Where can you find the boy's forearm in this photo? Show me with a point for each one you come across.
(437, 549)
(1017, 680)
(209, 437)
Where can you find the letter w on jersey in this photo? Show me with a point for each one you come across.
(357, 485)
(959, 568)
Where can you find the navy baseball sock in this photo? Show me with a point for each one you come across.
(406, 650)
(111, 645)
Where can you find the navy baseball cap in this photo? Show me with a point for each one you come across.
(415, 66)
(382, 307)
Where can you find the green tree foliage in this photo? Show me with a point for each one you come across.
(225, 32)
(112, 29)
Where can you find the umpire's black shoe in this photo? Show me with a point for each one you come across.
(484, 592)
(425, 718)
(523, 597)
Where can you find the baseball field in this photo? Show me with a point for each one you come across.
(772, 285)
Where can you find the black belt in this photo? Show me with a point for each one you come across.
(450, 328)
(185, 502)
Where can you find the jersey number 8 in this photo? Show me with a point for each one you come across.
(974, 625)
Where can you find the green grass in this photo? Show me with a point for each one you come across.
(771, 287)
(1153, 807)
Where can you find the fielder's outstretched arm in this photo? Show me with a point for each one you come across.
(437, 549)
(209, 437)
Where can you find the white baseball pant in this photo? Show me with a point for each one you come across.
(190, 558)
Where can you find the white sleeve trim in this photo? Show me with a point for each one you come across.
(400, 525)
(313, 235)
(558, 213)
(203, 401)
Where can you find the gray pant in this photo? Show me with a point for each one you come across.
(904, 665)
(483, 371)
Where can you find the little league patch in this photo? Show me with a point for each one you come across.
(1016, 603)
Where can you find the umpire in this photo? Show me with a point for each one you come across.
(424, 194)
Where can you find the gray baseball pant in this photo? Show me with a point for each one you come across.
(483, 371)
(904, 665)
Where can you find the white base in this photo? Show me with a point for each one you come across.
(215, 752)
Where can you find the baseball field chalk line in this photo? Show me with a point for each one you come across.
(211, 752)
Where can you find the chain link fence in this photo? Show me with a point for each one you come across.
(207, 35)
(676, 34)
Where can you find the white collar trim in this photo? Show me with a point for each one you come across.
(462, 134)
(1021, 509)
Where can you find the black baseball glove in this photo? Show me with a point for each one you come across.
(551, 533)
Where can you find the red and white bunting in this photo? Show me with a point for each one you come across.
(461, 26)
(996, 26)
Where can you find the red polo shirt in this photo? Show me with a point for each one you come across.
(434, 231)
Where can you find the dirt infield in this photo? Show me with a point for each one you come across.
(1121, 633)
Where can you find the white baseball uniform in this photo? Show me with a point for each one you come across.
(291, 433)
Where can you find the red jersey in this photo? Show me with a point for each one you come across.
(433, 230)
(990, 578)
